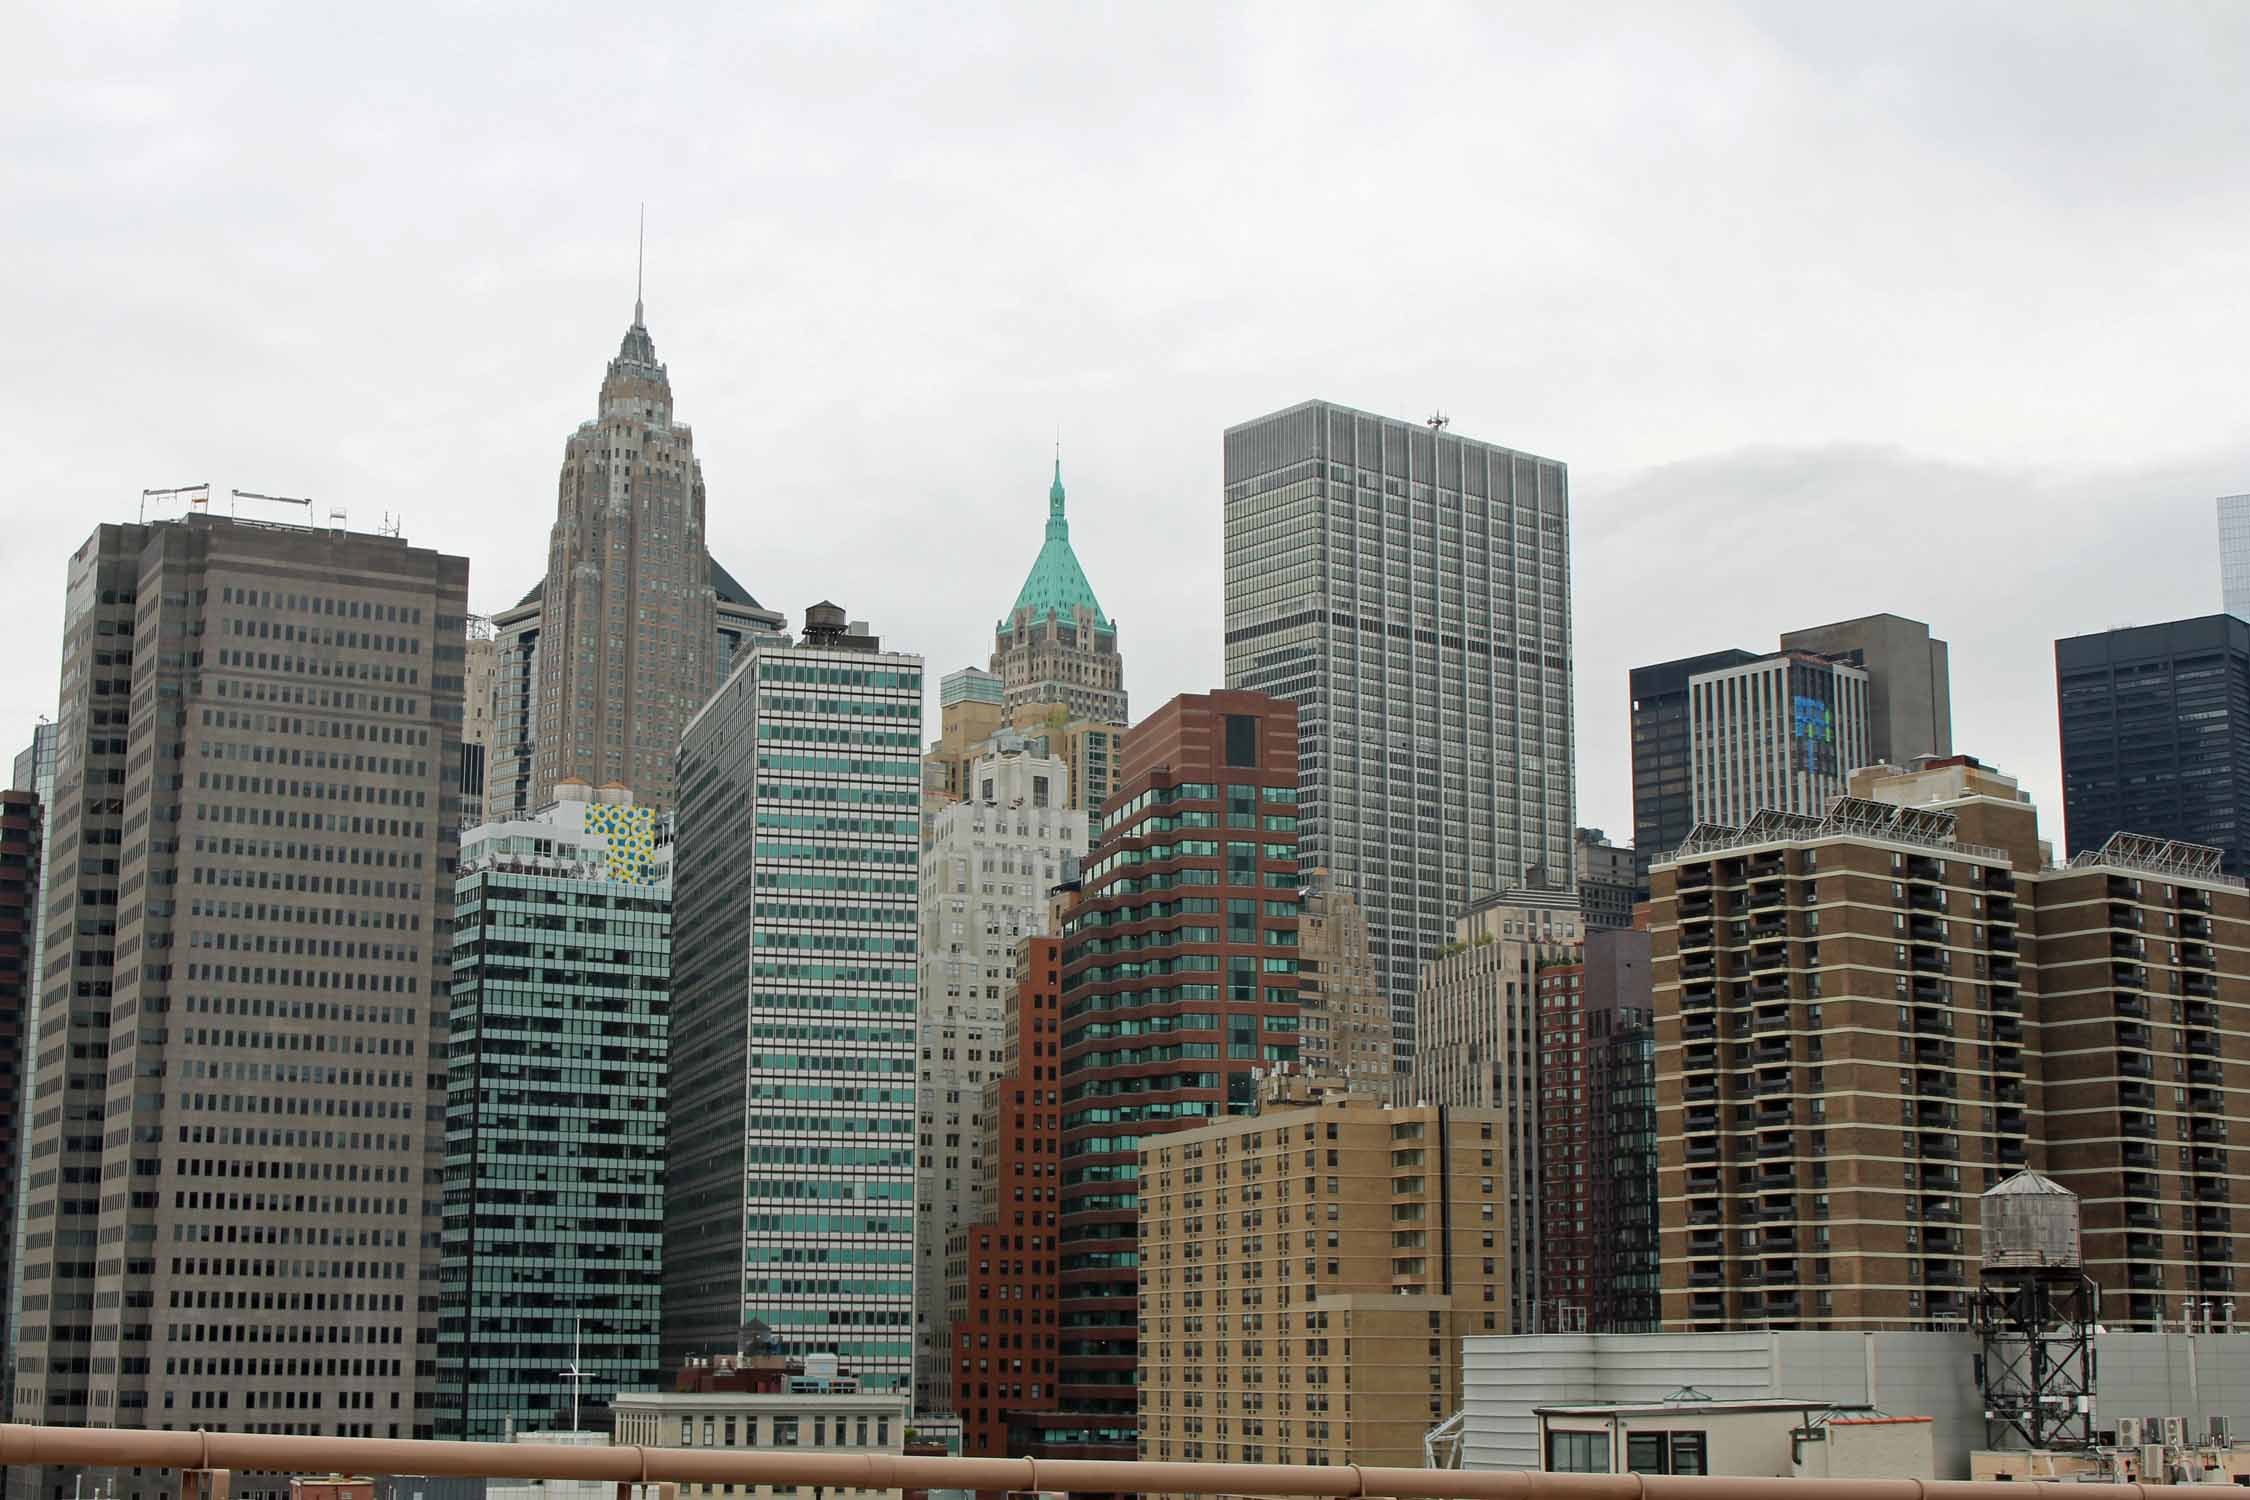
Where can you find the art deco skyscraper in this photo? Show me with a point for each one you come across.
(1056, 645)
(234, 1212)
(1409, 589)
(634, 626)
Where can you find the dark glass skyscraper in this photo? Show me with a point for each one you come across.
(1663, 776)
(554, 1126)
(2155, 723)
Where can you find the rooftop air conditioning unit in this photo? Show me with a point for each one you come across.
(2128, 1432)
(2175, 1432)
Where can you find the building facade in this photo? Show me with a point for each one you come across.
(789, 1184)
(1299, 1314)
(1056, 646)
(1909, 682)
(1781, 732)
(1344, 1016)
(1409, 590)
(20, 846)
(2234, 555)
(1094, 750)
(554, 1139)
(1607, 883)
(1196, 868)
(847, 1424)
(479, 695)
(635, 622)
(1663, 770)
(35, 774)
(985, 876)
(1478, 1015)
(2155, 723)
(1597, 1131)
(1844, 1059)
(271, 932)
(1002, 1291)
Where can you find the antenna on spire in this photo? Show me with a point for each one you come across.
(640, 260)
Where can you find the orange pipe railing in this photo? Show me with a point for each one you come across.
(626, 1464)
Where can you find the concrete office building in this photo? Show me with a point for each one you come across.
(1597, 1128)
(1827, 988)
(1197, 857)
(1345, 1017)
(554, 1151)
(2155, 723)
(634, 625)
(1314, 1314)
(272, 922)
(1000, 1283)
(1477, 1014)
(789, 1185)
(1663, 775)
(968, 716)
(1781, 732)
(990, 862)
(479, 692)
(2234, 555)
(1094, 750)
(20, 845)
(35, 774)
(1607, 884)
(1409, 590)
(1055, 645)
(1909, 682)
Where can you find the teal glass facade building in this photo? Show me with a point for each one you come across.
(554, 1147)
(790, 1185)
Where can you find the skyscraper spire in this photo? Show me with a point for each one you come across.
(640, 260)
(1058, 528)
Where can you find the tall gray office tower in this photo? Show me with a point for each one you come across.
(1409, 589)
(2234, 555)
(234, 1216)
(789, 1172)
(1909, 681)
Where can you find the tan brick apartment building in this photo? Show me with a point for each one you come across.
(1307, 1276)
(1866, 1018)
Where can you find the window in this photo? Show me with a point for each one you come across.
(1576, 1453)
(1664, 1453)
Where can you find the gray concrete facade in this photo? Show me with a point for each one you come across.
(1909, 681)
(1504, 1377)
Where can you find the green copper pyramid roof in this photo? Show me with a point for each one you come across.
(1057, 584)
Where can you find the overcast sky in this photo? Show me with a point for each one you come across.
(1830, 309)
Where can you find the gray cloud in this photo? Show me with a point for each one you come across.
(1911, 271)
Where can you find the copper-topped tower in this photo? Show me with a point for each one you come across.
(1056, 645)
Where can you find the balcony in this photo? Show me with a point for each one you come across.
(1771, 1051)
(1777, 1145)
(1939, 1210)
(2008, 1091)
(1698, 968)
(2205, 1071)
(2206, 1101)
(1708, 1306)
(1942, 1273)
(2136, 1095)
(1922, 928)
(2200, 985)
(1933, 1020)
(2137, 1156)
(2202, 1014)
(2196, 926)
(1775, 1082)
(2213, 1190)
(2144, 1246)
(1939, 1179)
(2132, 1034)
(2134, 1125)
(1768, 1017)
(1775, 1177)
(1771, 1118)
(2144, 1277)
(2197, 956)
(2003, 969)
(1933, 1052)
(1933, 1084)
(2143, 1216)
(1925, 957)
(2209, 1130)
(1702, 1150)
(2214, 1221)
(2008, 1121)
(2007, 1029)
(1699, 1028)
(2001, 940)
(1709, 1274)
(2007, 1000)
(1933, 1116)
(1701, 1121)
(2127, 977)
(2131, 1006)
(2014, 1154)
(1769, 987)
(2207, 1159)
(2201, 1044)
(2215, 1279)
(2215, 1250)
(2133, 1065)
(1922, 898)
(1696, 1090)
(1767, 892)
(2138, 1185)
(2195, 900)
(1705, 1211)
(2128, 917)
(1939, 1146)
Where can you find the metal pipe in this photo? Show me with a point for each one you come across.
(122, 1447)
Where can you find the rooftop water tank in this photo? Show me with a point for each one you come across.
(2030, 1224)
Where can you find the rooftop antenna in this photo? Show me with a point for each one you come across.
(640, 260)
(1438, 421)
(574, 1375)
(199, 494)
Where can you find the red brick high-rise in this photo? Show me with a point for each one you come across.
(1179, 982)
(1001, 1269)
